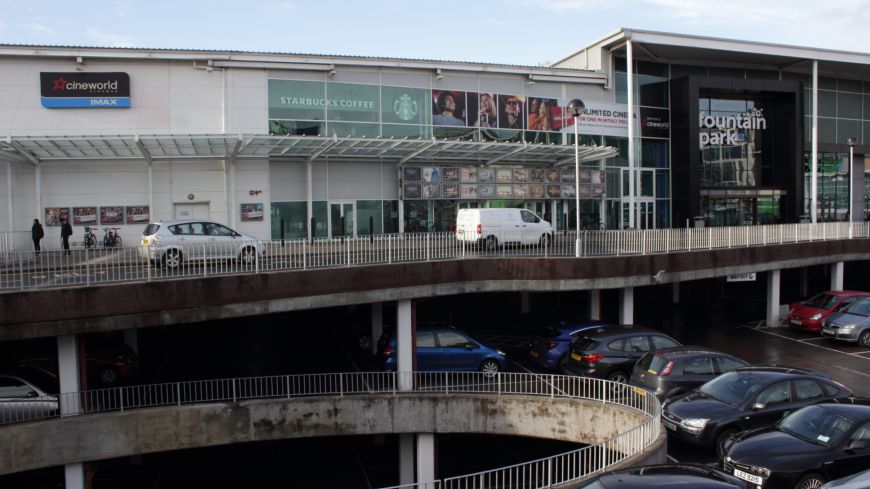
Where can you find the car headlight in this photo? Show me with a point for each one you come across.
(694, 425)
(729, 460)
(816, 316)
(847, 327)
(501, 353)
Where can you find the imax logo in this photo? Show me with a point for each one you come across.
(105, 102)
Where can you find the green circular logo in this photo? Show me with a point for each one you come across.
(405, 107)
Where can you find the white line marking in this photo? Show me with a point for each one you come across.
(672, 459)
(850, 370)
(813, 339)
(811, 344)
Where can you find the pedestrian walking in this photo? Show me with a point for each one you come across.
(36, 233)
(65, 232)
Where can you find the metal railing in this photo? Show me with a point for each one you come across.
(540, 473)
(21, 268)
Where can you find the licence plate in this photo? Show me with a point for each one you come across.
(534, 354)
(640, 391)
(748, 477)
(828, 331)
(796, 321)
(669, 425)
(575, 356)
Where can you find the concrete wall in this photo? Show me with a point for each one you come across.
(103, 436)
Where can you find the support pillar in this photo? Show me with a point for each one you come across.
(626, 305)
(425, 457)
(524, 303)
(675, 297)
(68, 376)
(595, 304)
(804, 283)
(773, 298)
(377, 325)
(405, 344)
(74, 476)
(837, 276)
(406, 459)
(131, 339)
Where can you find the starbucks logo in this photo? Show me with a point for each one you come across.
(405, 107)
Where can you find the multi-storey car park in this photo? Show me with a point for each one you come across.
(316, 154)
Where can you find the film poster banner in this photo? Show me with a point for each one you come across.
(53, 215)
(84, 216)
(601, 118)
(252, 212)
(138, 214)
(112, 215)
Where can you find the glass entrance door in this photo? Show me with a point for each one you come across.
(341, 221)
(644, 200)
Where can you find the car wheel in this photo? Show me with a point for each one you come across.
(172, 259)
(248, 255)
(489, 368)
(810, 481)
(491, 243)
(109, 376)
(722, 439)
(864, 339)
(621, 379)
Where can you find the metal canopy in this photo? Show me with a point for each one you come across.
(35, 149)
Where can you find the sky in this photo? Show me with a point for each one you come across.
(519, 32)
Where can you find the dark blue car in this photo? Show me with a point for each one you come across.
(444, 348)
(550, 346)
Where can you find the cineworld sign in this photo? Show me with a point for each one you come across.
(91, 90)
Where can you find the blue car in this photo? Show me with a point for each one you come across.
(550, 346)
(444, 348)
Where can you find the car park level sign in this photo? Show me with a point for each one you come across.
(742, 277)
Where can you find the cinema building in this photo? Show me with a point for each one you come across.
(714, 132)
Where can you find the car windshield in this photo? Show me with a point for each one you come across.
(653, 362)
(733, 388)
(817, 424)
(860, 308)
(150, 229)
(583, 343)
(821, 301)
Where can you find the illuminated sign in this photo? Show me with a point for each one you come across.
(85, 90)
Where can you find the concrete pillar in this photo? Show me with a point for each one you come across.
(131, 339)
(425, 457)
(804, 282)
(377, 325)
(675, 297)
(837, 276)
(595, 304)
(773, 298)
(626, 305)
(74, 476)
(405, 344)
(524, 302)
(406, 459)
(68, 373)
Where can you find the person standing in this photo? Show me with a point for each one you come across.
(65, 233)
(36, 233)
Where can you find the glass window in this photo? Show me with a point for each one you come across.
(391, 216)
(849, 105)
(807, 389)
(827, 130)
(654, 153)
(777, 393)
(827, 103)
(698, 366)
(426, 339)
(660, 342)
(827, 83)
(847, 129)
(663, 213)
(862, 433)
(636, 343)
(846, 85)
(321, 218)
(662, 184)
(727, 364)
(14, 388)
(291, 99)
(351, 102)
(528, 217)
(653, 91)
(401, 105)
(651, 68)
(352, 129)
(290, 218)
(368, 217)
(617, 345)
(451, 339)
(296, 128)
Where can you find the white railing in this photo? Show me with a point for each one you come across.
(541, 473)
(21, 268)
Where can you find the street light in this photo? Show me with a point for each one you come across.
(575, 108)
(851, 142)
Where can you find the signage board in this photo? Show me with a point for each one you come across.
(109, 90)
(742, 277)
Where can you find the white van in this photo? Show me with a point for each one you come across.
(502, 226)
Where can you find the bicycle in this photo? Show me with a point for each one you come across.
(592, 225)
(111, 238)
(90, 238)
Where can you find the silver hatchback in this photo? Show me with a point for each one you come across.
(170, 243)
(850, 324)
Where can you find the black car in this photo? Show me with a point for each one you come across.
(746, 398)
(688, 476)
(806, 448)
(672, 371)
(610, 351)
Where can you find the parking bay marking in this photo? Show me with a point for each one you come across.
(856, 355)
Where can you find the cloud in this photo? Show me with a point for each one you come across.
(39, 28)
(108, 39)
(123, 9)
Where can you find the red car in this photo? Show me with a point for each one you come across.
(809, 314)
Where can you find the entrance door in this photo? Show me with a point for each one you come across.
(645, 202)
(342, 213)
(187, 211)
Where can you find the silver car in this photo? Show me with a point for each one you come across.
(850, 324)
(27, 394)
(170, 243)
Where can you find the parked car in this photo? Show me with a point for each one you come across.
(694, 476)
(851, 324)
(746, 398)
(444, 348)
(805, 449)
(671, 371)
(549, 347)
(492, 227)
(861, 480)
(27, 393)
(107, 363)
(610, 351)
(809, 314)
(170, 243)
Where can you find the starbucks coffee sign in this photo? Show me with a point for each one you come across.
(729, 130)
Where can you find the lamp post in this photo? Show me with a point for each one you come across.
(575, 108)
(851, 142)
